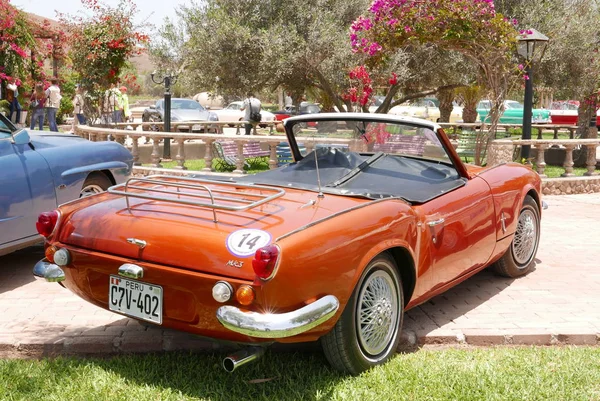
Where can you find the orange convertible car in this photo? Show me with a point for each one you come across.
(377, 217)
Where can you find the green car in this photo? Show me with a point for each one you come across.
(513, 113)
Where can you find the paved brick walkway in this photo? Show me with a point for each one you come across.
(557, 303)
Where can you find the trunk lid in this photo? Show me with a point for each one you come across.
(186, 236)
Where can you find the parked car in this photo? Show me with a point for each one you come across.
(181, 110)
(513, 113)
(426, 109)
(42, 169)
(233, 112)
(333, 246)
(566, 112)
(305, 108)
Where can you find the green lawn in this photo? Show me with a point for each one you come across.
(532, 373)
(556, 171)
(256, 165)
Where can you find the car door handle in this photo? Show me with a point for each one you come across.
(436, 222)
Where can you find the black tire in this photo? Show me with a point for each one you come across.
(95, 183)
(154, 128)
(519, 258)
(348, 346)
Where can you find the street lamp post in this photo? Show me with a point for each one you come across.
(532, 45)
(168, 79)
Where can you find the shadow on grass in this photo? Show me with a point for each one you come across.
(277, 376)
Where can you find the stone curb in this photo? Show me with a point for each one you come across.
(172, 341)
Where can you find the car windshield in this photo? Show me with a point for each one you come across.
(371, 158)
(564, 106)
(185, 104)
(514, 105)
(234, 106)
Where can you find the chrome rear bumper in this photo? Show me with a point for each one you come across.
(269, 325)
(45, 270)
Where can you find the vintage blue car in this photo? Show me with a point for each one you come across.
(40, 170)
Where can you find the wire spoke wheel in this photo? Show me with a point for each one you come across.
(519, 257)
(377, 313)
(525, 240)
(367, 332)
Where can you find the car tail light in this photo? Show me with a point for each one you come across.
(46, 223)
(265, 260)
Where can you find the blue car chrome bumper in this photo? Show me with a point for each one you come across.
(45, 270)
(270, 325)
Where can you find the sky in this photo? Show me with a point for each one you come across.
(153, 10)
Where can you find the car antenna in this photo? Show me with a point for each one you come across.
(320, 195)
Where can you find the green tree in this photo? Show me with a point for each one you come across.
(100, 46)
(16, 38)
(472, 28)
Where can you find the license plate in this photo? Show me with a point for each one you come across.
(197, 127)
(136, 299)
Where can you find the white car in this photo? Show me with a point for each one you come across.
(233, 113)
(425, 109)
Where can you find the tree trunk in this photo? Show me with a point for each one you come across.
(446, 99)
(469, 114)
(586, 127)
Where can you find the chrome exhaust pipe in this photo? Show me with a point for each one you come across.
(242, 357)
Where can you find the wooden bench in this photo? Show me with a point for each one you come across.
(402, 144)
(226, 153)
(284, 153)
(467, 143)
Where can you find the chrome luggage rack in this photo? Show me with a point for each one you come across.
(232, 200)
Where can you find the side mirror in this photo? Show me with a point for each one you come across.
(21, 138)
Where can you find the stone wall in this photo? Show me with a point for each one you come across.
(570, 185)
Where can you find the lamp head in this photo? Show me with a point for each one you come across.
(531, 44)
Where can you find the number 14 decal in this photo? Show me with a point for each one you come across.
(245, 242)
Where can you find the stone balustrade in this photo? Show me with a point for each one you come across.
(189, 126)
(502, 151)
(269, 142)
(451, 129)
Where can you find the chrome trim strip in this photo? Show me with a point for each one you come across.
(314, 223)
(130, 270)
(44, 270)
(271, 325)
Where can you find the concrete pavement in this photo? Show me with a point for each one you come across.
(558, 303)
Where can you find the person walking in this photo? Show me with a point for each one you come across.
(125, 104)
(12, 96)
(78, 104)
(53, 97)
(37, 104)
(118, 104)
(288, 101)
(251, 108)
